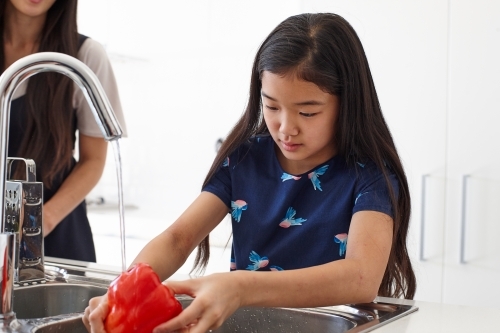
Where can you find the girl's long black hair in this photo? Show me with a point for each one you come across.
(324, 49)
(50, 122)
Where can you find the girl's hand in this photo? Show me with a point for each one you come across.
(216, 297)
(95, 314)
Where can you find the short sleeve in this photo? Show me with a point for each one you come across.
(94, 56)
(220, 184)
(373, 194)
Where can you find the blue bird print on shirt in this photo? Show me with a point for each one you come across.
(226, 162)
(286, 176)
(359, 195)
(257, 261)
(290, 219)
(232, 266)
(238, 207)
(342, 240)
(313, 176)
(276, 268)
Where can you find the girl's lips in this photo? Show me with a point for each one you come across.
(288, 146)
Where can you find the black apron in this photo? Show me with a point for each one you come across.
(72, 238)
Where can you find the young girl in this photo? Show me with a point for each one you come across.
(46, 113)
(310, 175)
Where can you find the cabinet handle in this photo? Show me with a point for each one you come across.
(422, 219)
(464, 220)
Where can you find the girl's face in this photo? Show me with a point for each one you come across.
(302, 120)
(31, 8)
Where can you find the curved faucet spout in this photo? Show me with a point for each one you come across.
(64, 64)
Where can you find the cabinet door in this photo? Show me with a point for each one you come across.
(472, 266)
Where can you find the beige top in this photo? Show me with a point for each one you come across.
(94, 56)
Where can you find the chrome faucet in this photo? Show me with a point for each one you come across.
(11, 78)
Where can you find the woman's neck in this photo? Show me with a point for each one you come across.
(21, 34)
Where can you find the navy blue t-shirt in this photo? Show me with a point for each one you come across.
(282, 221)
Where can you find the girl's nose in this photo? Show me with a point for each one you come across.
(288, 126)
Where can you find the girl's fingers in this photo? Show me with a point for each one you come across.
(180, 287)
(96, 318)
(185, 320)
(93, 306)
(85, 318)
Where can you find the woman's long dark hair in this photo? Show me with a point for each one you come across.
(325, 49)
(49, 125)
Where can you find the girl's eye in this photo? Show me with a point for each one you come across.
(307, 115)
(272, 108)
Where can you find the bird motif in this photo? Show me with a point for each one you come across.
(238, 207)
(290, 219)
(257, 261)
(232, 266)
(359, 195)
(342, 240)
(287, 176)
(313, 176)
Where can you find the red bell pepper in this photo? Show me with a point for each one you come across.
(138, 302)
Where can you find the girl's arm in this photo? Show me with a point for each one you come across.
(168, 251)
(355, 279)
(78, 184)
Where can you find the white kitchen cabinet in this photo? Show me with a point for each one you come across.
(472, 264)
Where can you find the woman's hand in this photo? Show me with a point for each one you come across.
(95, 314)
(216, 297)
(49, 222)
(78, 184)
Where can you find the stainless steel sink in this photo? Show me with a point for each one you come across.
(50, 300)
(58, 305)
(335, 319)
(272, 320)
(285, 320)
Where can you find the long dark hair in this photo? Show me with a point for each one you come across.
(325, 49)
(49, 125)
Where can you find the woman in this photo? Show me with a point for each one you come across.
(49, 115)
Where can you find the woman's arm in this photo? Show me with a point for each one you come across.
(78, 184)
(352, 280)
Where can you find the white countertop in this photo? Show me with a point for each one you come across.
(438, 317)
